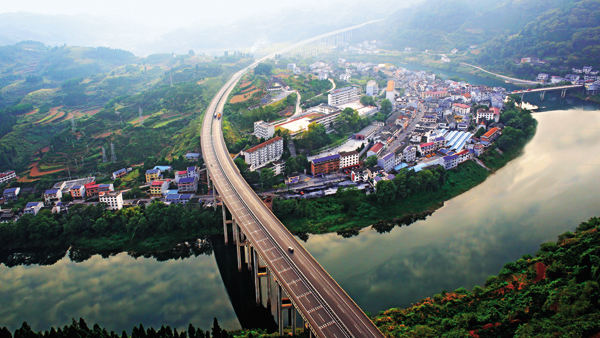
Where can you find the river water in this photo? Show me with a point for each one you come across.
(548, 190)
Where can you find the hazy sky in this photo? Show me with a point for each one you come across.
(176, 13)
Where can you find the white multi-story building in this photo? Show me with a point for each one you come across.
(263, 130)
(7, 176)
(342, 95)
(264, 153)
(490, 114)
(113, 200)
(372, 88)
(390, 93)
(348, 159)
(322, 76)
(409, 154)
(387, 161)
(291, 66)
(33, 208)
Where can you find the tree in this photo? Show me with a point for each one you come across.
(371, 161)
(191, 52)
(367, 100)
(241, 164)
(267, 178)
(263, 69)
(386, 191)
(216, 329)
(350, 198)
(479, 132)
(386, 106)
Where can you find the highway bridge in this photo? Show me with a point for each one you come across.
(543, 90)
(272, 252)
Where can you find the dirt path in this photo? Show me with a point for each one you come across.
(512, 79)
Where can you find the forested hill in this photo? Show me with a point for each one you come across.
(561, 32)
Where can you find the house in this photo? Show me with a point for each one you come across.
(374, 171)
(461, 109)
(359, 174)
(192, 156)
(587, 69)
(428, 118)
(409, 154)
(542, 77)
(188, 184)
(488, 114)
(77, 191)
(172, 198)
(276, 84)
(387, 161)
(33, 208)
(390, 93)
(322, 76)
(264, 153)
(153, 175)
(11, 194)
(91, 189)
(278, 167)
(52, 195)
(438, 142)
(7, 176)
(263, 130)
(491, 135)
(349, 159)
(291, 66)
(105, 188)
(119, 173)
(462, 126)
(180, 174)
(426, 148)
(450, 162)
(463, 155)
(342, 95)
(113, 200)
(158, 188)
(325, 165)
(375, 149)
(478, 150)
(372, 88)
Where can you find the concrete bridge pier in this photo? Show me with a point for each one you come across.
(225, 232)
(257, 288)
(542, 95)
(236, 240)
(279, 312)
(563, 93)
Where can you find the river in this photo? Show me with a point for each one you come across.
(548, 190)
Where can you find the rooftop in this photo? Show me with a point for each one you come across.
(326, 158)
(348, 153)
(187, 180)
(51, 191)
(152, 171)
(377, 147)
(264, 144)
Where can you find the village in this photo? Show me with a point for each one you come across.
(415, 120)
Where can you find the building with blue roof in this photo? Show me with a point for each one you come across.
(11, 194)
(52, 195)
(325, 165)
(33, 207)
(188, 184)
(119, 174)
(387, 161)
(450, 162)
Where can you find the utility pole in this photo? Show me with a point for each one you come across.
(73, 124)
(140, 117)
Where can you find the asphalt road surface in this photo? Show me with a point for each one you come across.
(319, 299)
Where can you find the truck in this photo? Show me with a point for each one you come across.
(218, 116)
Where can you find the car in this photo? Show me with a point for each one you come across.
(290, 249)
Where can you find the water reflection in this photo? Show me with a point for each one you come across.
(548, 190)
(117, 291)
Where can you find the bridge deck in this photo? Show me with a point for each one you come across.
(320, 300)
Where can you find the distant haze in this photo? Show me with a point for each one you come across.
(151, 26)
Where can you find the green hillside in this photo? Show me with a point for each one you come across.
(101, 92)
(561, 33)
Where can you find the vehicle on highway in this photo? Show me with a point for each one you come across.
(290, 249)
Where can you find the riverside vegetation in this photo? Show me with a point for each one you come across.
(409, 195)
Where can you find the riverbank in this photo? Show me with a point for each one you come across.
(350, 211)
(554, 293)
